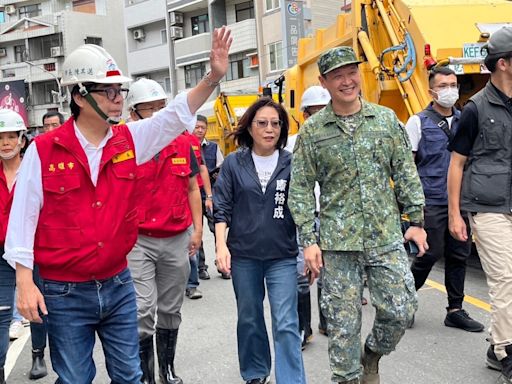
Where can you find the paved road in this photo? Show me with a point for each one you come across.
(430, 353)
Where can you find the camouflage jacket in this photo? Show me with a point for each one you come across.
(359, 208)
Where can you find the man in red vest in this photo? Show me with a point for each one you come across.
(75, 215)
(169, 203)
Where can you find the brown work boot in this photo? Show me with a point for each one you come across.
(370, 366)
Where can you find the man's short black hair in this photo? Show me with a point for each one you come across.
(490, 61)
(54, 113)
(445, 71)
(202, 118)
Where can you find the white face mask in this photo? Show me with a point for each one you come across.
(14, 152)
(447, 97)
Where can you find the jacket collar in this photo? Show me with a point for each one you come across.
(367, 109)
(245, 159)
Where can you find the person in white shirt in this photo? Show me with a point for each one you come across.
(74, 213)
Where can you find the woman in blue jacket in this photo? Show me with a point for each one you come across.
(250, 198)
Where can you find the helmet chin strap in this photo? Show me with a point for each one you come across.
(87, 96)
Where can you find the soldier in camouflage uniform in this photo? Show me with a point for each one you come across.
(354, 149)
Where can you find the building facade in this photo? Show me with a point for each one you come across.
(170, 41)
(36, 36)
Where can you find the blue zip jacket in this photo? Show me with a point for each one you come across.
(260, 224)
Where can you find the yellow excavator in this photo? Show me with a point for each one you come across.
(398, 42)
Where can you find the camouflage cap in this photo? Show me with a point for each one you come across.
(500, 41)
(335, 58)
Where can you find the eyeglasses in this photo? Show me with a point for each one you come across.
(112, 93)
(264, 123)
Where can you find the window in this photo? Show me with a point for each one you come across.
(238, 67)
(244, 11)
(199, 24)
(93, 40)
(275, 51)
(271, 4)
(20, 53)
(30, 10)
(167, 85)
(193, 74)
(42, 92)
(163, 35)
(2, 17)
(40, 47)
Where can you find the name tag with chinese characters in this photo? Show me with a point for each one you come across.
(123, 156)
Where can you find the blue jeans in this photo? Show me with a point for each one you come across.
(193, 279)
(38, 330)
(7, 284)
(76, 311)
(280, 276)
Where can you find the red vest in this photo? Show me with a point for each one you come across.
(164, 181)
(84, 231)
(5, 204)
(196, 147)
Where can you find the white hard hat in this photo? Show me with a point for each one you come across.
(144, 91)
(91, 63)
(314, 95)
(11, 121)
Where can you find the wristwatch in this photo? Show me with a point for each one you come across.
(209, 197)
(416, 224)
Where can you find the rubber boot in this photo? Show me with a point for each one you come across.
(322, 326)
(2, 377)
(304, 309)
(166, 349)
(147, 360)
(38, 369)
(370, 366)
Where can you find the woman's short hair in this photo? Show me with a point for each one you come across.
(242, 135)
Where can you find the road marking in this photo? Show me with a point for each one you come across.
(15, 349)
(468, 299)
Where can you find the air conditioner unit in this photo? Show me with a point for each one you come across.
(10, 9)
(3, 52)
(175, 18)
(176, 33)
(138, 34)
(56, 51)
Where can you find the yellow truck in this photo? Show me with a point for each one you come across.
(398, 42)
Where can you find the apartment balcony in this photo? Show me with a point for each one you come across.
(186, 5)
(245, 33)
(42, 70)
(18, 30)
(144, 13)
(148, 59)
(192, 49)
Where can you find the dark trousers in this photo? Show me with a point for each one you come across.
(442, 244)
(38, 330)
(201, 261)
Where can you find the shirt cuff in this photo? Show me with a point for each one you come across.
(416, 216)
(21, 256)
(307, 239)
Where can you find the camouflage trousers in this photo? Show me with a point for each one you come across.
(392, 294)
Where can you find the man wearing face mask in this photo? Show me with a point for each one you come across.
(430, 132)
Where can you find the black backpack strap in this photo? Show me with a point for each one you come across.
(440, 121)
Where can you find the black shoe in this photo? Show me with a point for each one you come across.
(506, 372)
(491, 359)
(193, 293)
(2, 377)
(410, 324)
(225, 276)
(204, 275)
(460, 319)
(38, 369)
(263, 380)
(166, 349)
